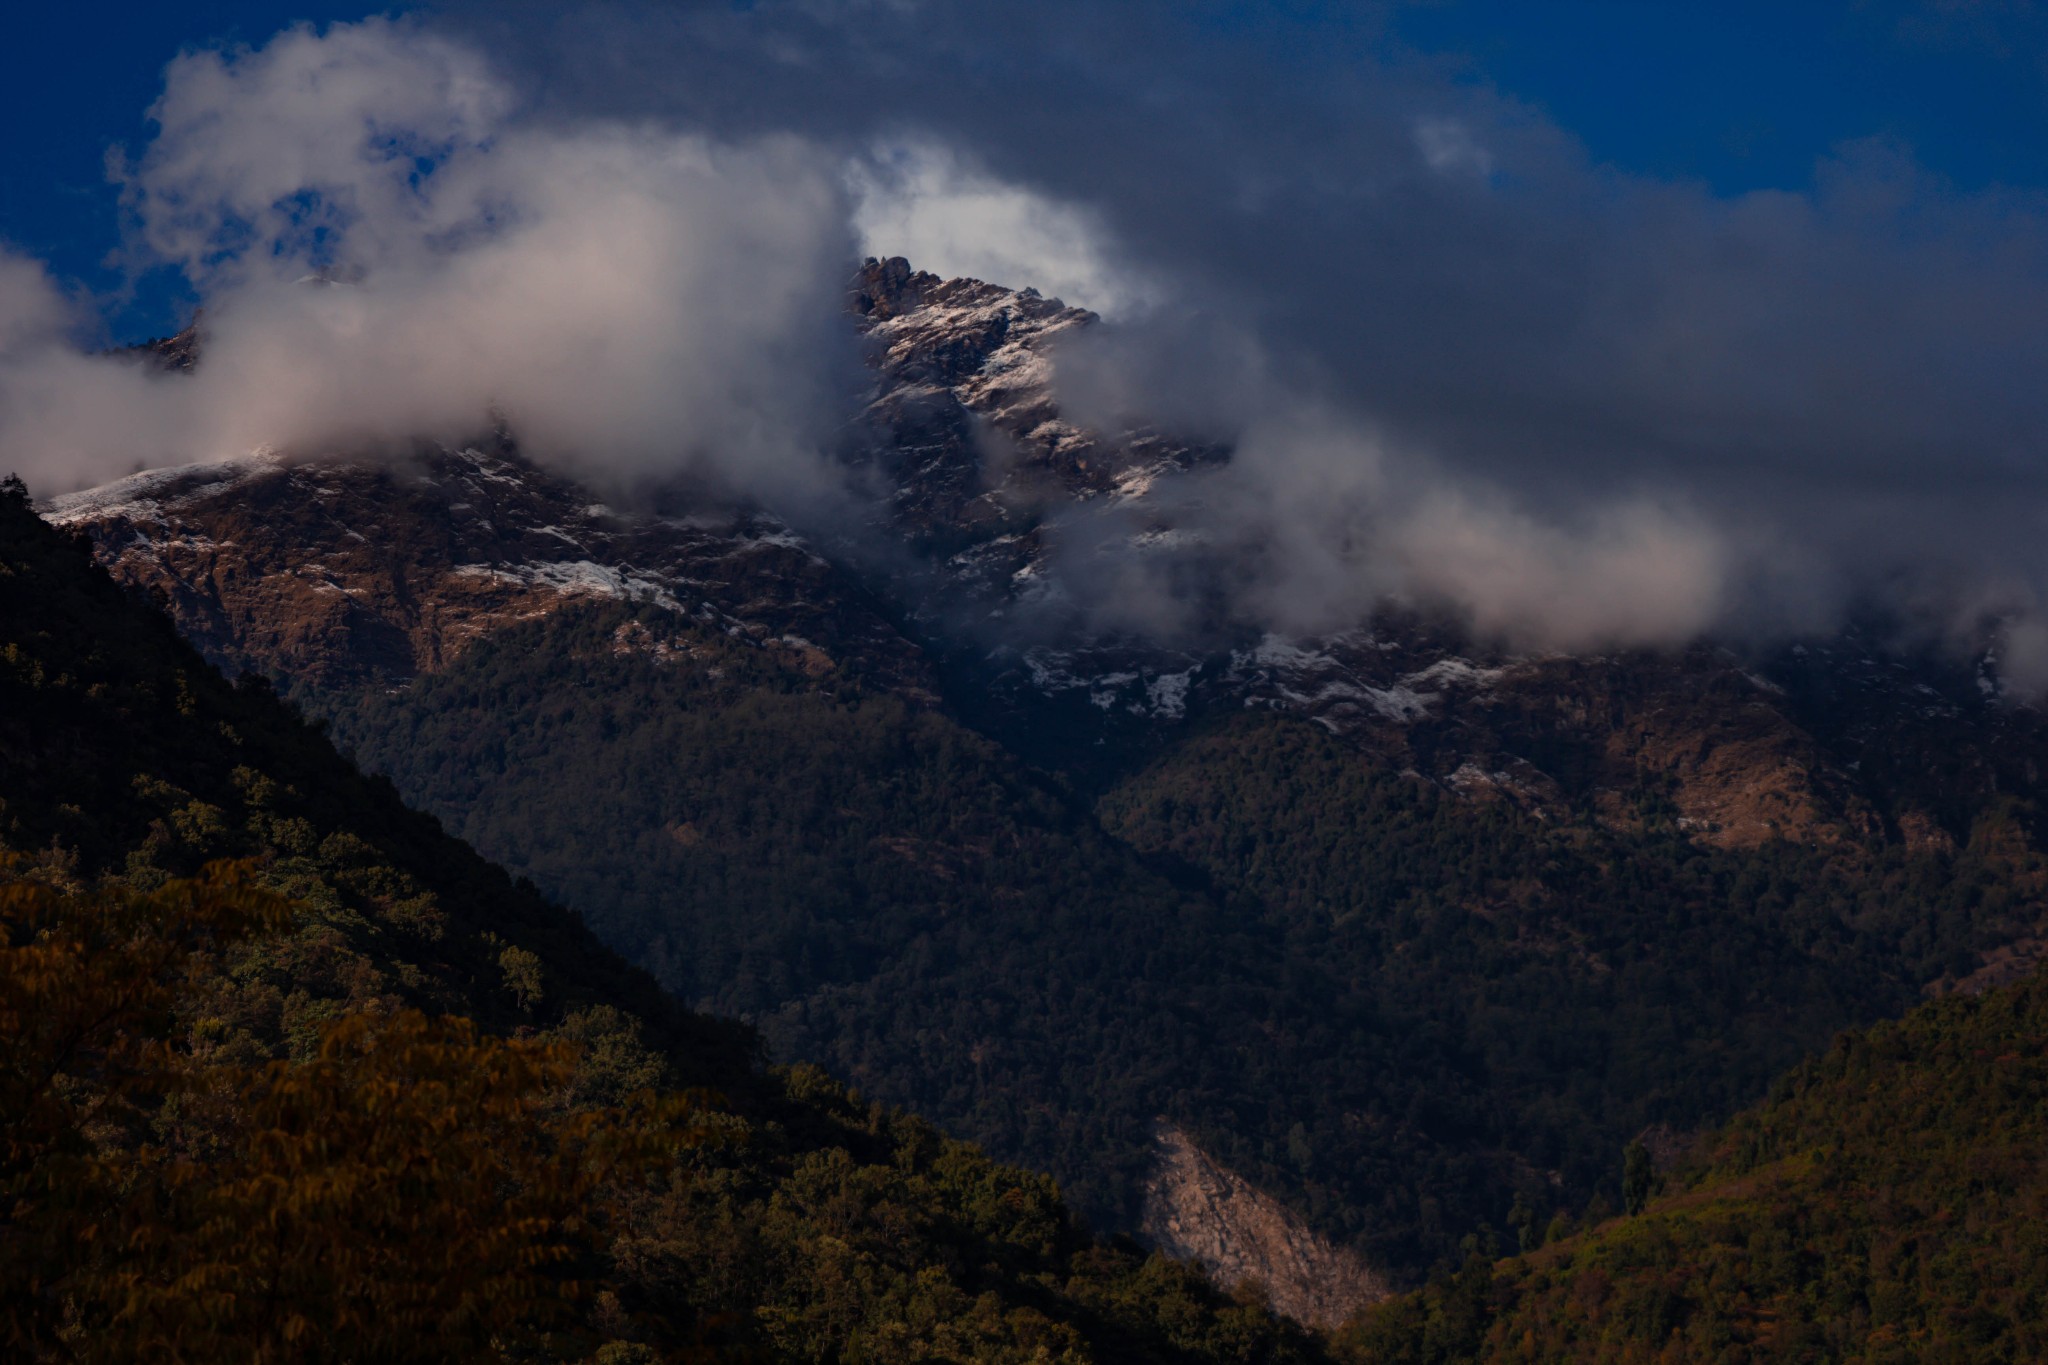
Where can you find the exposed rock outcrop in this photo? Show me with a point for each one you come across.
(1197, 1209)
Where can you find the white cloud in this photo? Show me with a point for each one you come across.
(924, 201)
(635, 300)
(1317, 522)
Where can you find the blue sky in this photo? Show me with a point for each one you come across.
(1747, 95)
(1738, 95)
(75, 82)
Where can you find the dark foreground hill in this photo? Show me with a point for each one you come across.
(360, 1095)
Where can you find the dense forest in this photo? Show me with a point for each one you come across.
(1887, 1205)
(1580, 985)
(1403, 1011)
(243, 988)
(287, 1073)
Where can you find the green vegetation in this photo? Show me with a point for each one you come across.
(867, 882)
(361, 1095)
(1399, 1010)
(1538, 995)
(1888, 1204)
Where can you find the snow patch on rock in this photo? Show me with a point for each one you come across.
(578, 578)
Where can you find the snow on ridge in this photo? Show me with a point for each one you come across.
(1135, 482)
(1454, 672)
(1159, 695)
(1276, 651)
(1169, 693)
(1050, 670)
(1312, 678)
(488, 468)
(1399, 704)
(1015, 370)
(153, 492)
(1303, 676)
(577, 578)
(1166, 538)
(783, 538)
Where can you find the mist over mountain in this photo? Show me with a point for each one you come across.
(1457, 364)
(1436, 319)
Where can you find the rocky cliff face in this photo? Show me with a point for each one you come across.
(1198, 1210)
(1744, 749)
(336, 574)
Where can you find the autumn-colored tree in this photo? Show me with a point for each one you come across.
(416, 1190)
(86, 987)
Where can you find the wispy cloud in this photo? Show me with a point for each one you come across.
(387, 251)
(1459, 361)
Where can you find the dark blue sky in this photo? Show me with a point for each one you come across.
(1747, 95)
(75, 81)
(1738, 95)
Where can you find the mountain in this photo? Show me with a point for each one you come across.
(415, 561)
(1335, 946)
(287, 1071)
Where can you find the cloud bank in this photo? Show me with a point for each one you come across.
(387, 252)
(1460, 363)
(1602, 408)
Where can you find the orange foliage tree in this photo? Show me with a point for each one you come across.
(415, 1190)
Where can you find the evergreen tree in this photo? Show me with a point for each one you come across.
(1638, 1177)
(1522, 1220)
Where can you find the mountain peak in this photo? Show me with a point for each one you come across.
(886, 287)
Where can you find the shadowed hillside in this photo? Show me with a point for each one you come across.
(369, 1070)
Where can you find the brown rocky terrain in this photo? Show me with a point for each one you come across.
(1200, 1211)
(338, 574)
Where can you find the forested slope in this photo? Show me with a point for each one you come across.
(1394, 923)
(1398, 1007)
(1538, 995)
(1888, 1203)
(361, 1094)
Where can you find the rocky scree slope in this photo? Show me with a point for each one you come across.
(335, 574)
